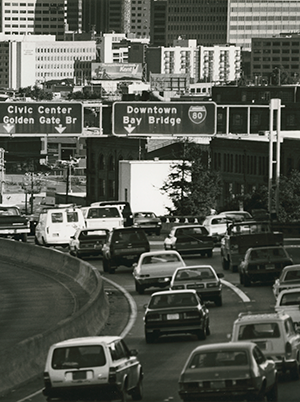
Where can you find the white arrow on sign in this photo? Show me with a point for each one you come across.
(129, 128)
(8, 127)
(60, 128)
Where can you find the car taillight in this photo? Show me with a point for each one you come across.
(47, 381)
(192, 314)
(288, 350)
(213, 285)
(112, 375)
(153, 317)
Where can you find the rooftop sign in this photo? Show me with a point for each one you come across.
(35, 118)
(164, 119)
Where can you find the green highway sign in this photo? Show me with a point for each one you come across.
(164, 119)
(40, 118)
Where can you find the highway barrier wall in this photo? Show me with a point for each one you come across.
(27, 360)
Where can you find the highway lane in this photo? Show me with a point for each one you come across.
(164, 360)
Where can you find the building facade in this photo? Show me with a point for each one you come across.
(31, 59)
(249, 19)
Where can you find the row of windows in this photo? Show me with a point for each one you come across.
(272, 66)
(51, 66)
(265, 18)
(65, 50)
(269, 27)
(61, 58)
(276, 58)
(32, 4)
(54, 74)
(241, 164)
(284, 8)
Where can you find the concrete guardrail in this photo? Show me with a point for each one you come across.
(27, 359)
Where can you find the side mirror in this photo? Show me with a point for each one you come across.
(145, 306)
(72, 237)
(133, 352)
(220, 275)
(134, 265)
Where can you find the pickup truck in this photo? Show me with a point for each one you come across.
(12, 223)
(240, 236)
(288, 301)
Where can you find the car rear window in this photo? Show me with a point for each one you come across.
(265, 254)
(129, 236)
(173, 300)
(109, 212)
(72, 216)
(78, 357)
(160, 259)
(195, 274)
(290, 299)
(92, 235)
(257, 331)
(219, 359)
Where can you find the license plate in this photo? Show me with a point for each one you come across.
(270, 266)
(217, 384)
(172, 316)
(79, 375)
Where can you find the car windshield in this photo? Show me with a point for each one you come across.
(9, 211)
(160, 259)
(129, 236)
(260, 330)
(290, 299)
(219, 359)
(197, 274)
(92, 234)
(78, 356)
(173, 300)
(144, 215)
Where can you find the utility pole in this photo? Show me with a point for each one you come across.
(2, 171)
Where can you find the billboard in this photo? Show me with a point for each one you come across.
(116, 71)
(164, 118)
(36, 118)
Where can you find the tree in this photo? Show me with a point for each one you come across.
(191, 186)
(289, 197)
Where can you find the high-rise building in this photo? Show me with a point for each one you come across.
(249, 19)
(39, 17)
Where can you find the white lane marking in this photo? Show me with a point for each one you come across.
(238, 291)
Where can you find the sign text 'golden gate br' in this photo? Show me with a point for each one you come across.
(36, 118)
(165, 119)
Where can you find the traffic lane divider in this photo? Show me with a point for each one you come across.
(26, 361)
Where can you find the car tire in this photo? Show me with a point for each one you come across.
(207, 329)
(246, 281)
(201, 334)
(137, 392)
(157, 232)
(139, 288)
(218, 301)
(36, 242)
(105, 265)
(241, 279)
(24, 237)
(294, 372)
(124, 393)
(225, 264)
(209, 253)
(272, 395)
(150, 338)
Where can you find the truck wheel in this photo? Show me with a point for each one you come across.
(241, 279)
(294, 372)
(137, 392)
(209, 253)
(225, 264)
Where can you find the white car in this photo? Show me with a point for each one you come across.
(92, 366)
(288, 301)
(155, 269)
(289, 279)
(216, 226)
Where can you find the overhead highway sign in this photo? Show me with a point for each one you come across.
(164, 118)
(40, 118)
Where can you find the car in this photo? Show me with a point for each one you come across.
(289, 279)
(190, 239)
(275, 335)
(123, 206)
(216, 226)
(123, 246)
(288, 301)
(237, 215)
(228, 371)
(263, 264)
(147, 221)
(108, 217)
(155, 269)
(175, 312)
(202, 278)
(87, 242)
(98, 366)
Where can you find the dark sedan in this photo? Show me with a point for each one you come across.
(87, 242)
(263, 264)
(147, 221)
(190, 239)
(176, 312)
(228, 371)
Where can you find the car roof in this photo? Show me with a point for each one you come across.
(266, 247)
(286, 291)
(158, 252)
(291, 267)
(261, 317)
(225, 346)
(170, 292)
(194, 267)
(88, 340)
(197, 225)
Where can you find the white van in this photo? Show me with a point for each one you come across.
(108, 217)
(56, 226)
